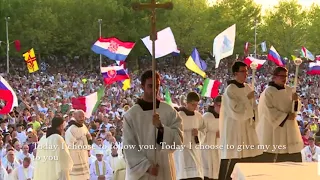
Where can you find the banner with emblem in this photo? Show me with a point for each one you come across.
(112, 48)
(30, 59)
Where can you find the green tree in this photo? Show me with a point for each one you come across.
(284, 27)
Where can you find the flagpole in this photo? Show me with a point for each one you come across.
(7, 34)
(255, 38)
(100, 22)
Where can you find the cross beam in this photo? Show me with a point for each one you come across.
(153, 5)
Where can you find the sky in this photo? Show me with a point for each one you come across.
(270, 3)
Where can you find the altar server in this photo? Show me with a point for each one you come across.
(211, 152)
(24, 171)
(154, 131)
(311, 152)
(117, 164)
(188, 160)
(100, 169)
(237, 129)
(60, 167)
(277, 127)
(79, 140)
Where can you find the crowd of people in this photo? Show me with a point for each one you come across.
(47, 94)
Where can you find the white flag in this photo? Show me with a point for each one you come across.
(264, 46)
(165, 43)
(223, 44)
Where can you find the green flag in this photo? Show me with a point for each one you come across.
(167, 97)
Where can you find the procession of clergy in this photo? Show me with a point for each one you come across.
(180, 143)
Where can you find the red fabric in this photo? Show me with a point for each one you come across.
(305, 141)
(8, 98)
(79, 103)
(17, 45)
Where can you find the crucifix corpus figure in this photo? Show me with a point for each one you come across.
(151, 158)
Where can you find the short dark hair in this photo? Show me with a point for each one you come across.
(192, 96)
(278, 70)
(217, 99)
(147, 75)
(236, 66)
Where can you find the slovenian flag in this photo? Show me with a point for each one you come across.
(8, 95)
(275, 57)
(314, 68)
(210, 88)
(112, 48)
(250, 60)
(89, 103)
(196, 64)
(113, 74)
(307, 54)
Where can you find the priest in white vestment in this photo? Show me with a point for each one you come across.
(3, 172)
(151, 132)
(100, 169)
(10, 163)
(79, 142)
(211, 152)
(277, 128)
(311, 152)
(188, 161)
(237, 123)
(52, 145)
(117, 164)
(24, 171)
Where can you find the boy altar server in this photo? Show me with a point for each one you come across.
(211, 155)
(237, 129)
(188, 160)
(142, 127)
(277, 126)
(100, 169)
(311, 152)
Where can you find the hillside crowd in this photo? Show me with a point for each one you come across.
(48, 92)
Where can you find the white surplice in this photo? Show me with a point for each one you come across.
(237, 132)
(309, 154)
(211, 153)
(3, 173)
(118, 166)
(77, 142)
(94, 172)
(188, 162)
(274, 107)
(139, 130)
(22, 173)
(52, 169)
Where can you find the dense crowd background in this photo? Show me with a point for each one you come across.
(48, 92)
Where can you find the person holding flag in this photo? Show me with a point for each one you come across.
(236, 127)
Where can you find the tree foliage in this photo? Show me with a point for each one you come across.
(69, 28)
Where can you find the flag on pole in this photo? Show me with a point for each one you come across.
(17, 45)
(223, 44)
(307, 54)
(113, 74)
(89, 103)
(275, 57)
(196, 64)
(210, 88)
(165, 43)
(8, 95)
(250, 60)
(167, 97)
(314, 68)
(264, 46)
(246, 48)
(112, 48)
(31, 61)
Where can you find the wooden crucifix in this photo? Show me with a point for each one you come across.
(153, 36)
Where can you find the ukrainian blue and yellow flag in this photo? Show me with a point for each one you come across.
(196, 64)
